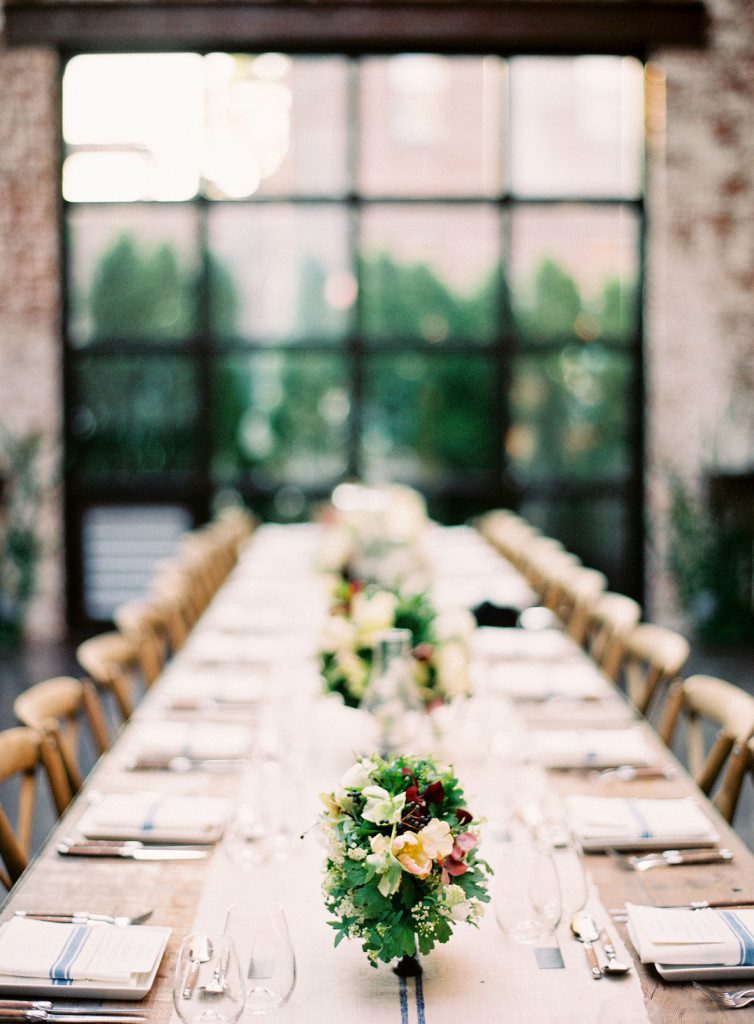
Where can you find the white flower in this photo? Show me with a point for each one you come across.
(336, 634)
(382, 808)
(454, 624)
(358, 775)
(335, 550)
(371, 614)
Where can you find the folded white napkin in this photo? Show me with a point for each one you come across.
(614, 821)
(156, 818)
(238, 619)
(566, 712)
(200, 689)
(542, 644)
(540, 681)
(69, 952)
(692, 937)
(221, 649)
(189, 739)
(591, 748)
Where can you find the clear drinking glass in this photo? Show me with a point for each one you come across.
(527, 899)
(208, 987)
(259, 931)
(245, 840)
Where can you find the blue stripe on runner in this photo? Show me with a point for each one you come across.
(149, 818)
(60, 972)
(744, 936)
(646, 832)
(419, 1000)
(404, 1000)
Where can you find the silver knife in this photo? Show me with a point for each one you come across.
(129, 852)
(55, 1017)
(185, 764)
(50, 1007)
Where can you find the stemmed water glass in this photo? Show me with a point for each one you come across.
(527, 898)
(208, 987)
(259, 931)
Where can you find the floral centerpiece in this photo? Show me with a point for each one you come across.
(440, 651)
(375, 534)
(403, 862)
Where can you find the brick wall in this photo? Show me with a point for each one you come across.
(700, 281)
(29, 288)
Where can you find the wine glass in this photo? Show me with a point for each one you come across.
(259, 931)
(208, 987)
(245, 840)
(527, 898)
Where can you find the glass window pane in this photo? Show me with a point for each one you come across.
(275, 125)
(576, 126)
(133, 416)
(131, 276)
(574, 271)
(132, 126)
(431, 273)
(283, 272)
(428, 416)
(282, 415)
(571, 416)
(431, 125)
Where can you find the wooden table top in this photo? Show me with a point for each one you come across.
(173, 889)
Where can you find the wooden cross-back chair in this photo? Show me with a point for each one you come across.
(546, 562)
(609, 620)
(56, 708)
(508, 533)
(114, 662)
(700, 699)
(570, 594)
(148, 625)
(652, 657)
(23, 752)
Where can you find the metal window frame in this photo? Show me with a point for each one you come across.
(194, 490)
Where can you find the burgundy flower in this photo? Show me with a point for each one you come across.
(423, 652)
(464, 817)
(434, 793)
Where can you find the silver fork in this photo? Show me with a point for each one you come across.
(83, 917)
(729, 1000)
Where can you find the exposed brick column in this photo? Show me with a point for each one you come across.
(700, 273)
(30, 390)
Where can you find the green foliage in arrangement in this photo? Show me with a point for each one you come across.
(403, 865)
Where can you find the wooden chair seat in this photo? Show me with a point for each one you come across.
(701, 699)
(55, 709)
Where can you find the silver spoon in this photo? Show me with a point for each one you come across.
(613, 965)
(199, 953)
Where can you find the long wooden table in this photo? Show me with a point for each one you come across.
(182, 893)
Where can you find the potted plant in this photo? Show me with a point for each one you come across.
(21, 492)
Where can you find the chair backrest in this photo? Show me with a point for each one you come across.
(147, 624)
(610, 618)
(55, 708)
(22, 751)
(113, 661)
(701, 699)
(571, 593)
(652, 657)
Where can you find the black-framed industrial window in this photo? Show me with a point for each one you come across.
(281, 271)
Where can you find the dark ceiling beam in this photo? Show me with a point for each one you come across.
(447, 26)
